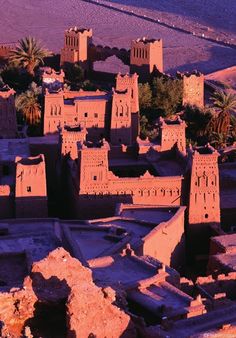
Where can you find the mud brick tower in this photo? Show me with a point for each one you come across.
(204, 206)
(173, 134)
(75, 48)
(69, 138)
(130, 83)
(146, 55)
(193, 88)
(121, 128)
(31, 190)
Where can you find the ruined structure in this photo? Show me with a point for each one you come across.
(75, 48)
(30, 188)
(63, 290)
(145, 56)
(8, 126)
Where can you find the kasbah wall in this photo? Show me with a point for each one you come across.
(145, 56)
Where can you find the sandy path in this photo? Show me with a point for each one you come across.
(47, 19)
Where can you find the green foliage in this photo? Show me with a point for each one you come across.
(145, 96)
(28, 54)
(87, 85)
(16, 78)
(74, 74)
(167, 95)
(28, 104)
(147, 129)
(218, 140)
(143, 126)
(224, 103)
(162, 98)
(197, 121)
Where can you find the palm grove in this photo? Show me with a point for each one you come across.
(162, 96)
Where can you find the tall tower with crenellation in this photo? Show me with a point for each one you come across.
(76, 42)
(173, 134)
(93, 168)
(31, 188)
(130, 83)
(121, 128)
(70, 136)
(204, 204)
(145, 56)
(8, 125)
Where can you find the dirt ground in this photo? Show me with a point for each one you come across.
(47, 19)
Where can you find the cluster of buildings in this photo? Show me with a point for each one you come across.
(128, 209)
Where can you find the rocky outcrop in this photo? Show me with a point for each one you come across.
(60, 290)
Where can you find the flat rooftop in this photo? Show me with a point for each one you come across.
(227, 260)
(71, 101)
(226, 241)
(160, 295)
(13, 270)
(122, 270)
(36, 237)
(37, 246)
(10, 148)
(147, 213)
(92, 241)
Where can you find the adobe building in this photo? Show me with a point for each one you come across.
(193, 88)
(76, 42)
(146, 55)
(172, 134)
(8, 125)
(204, 203)
(87, 108)
(9, 149)
(51, 79)
(204, 199)
(30, 187)
(70, 136)
(94, 187)
(150, 230)
(222, 258)
(113, 115)
(146, 286)
(129, 82)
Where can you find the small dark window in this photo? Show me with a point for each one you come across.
(206, 215)
(96, 115)
(95, 178)
(85, 114)
(121, 114)
(29, 189)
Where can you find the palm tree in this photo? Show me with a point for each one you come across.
(28, 54)
(225, 103)
(28, 104)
